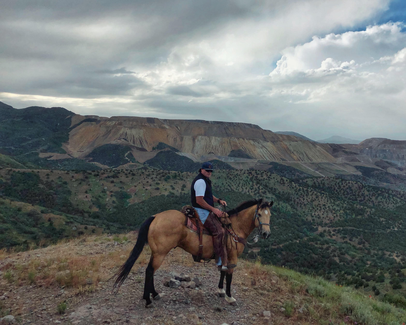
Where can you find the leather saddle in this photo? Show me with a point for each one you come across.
(193, 223)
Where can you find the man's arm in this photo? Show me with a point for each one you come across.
(200, 201)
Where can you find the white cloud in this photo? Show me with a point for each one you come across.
(207, 60)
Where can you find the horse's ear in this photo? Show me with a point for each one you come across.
(271, 204)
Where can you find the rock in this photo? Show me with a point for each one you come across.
(267, 313)
(9, 319)
(182, 277)
(218, 308)
(191, 285)
(197, 281)
(193, 319)
(172, 283)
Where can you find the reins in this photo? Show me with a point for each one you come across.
(229, 229)
(238, 239)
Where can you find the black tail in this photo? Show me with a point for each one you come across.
(125, 269)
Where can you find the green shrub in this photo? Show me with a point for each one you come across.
(289, 308)
(397, 300)
(31, 277)
(8, 276)
(61, 308)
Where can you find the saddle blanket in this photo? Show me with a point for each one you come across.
(193, 227)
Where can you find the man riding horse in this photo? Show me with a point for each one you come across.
(203, 201)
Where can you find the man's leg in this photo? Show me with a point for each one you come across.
(214, 225)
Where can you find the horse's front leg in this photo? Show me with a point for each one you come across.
(221, 291)
(229, 279)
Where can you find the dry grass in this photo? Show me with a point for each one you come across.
(81, 264)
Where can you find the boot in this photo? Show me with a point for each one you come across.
(214, 225)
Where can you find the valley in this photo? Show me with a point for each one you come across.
(339, 209)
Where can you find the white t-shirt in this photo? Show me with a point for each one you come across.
(200, 189)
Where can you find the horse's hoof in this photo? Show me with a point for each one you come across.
(221, 293)
(157, 297)
(150, 305)
(231, 301)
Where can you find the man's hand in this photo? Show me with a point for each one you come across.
(217, 212)
(222, 202)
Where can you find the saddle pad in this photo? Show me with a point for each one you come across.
(193, 227)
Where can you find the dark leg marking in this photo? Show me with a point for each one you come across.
(149, 283)
(229, 278)
(221, 282)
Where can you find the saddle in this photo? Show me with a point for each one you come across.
(193, 223)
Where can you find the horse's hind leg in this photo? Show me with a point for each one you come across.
(149, 288)
(149, 283)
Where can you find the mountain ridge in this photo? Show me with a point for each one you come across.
(58, 137)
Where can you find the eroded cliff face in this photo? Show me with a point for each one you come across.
(189, 136)
(386, 149)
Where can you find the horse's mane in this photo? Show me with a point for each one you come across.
(243, 206)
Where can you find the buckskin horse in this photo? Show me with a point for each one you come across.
(167, 230)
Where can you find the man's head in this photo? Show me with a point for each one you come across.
(206, 169)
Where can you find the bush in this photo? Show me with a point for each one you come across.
(288, 306)
(31, 277)
(61, 308)
(396, 300)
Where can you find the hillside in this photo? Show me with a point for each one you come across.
(298, 135)
(69, 283)
(55, 138)
(339, 140)
(343, 230)
(58, 134)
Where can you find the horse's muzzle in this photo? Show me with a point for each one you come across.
(265, 234)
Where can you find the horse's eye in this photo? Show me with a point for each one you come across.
(259, 215)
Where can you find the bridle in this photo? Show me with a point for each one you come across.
(256, 217)
(259, 230)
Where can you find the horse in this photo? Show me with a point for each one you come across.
(167, 230)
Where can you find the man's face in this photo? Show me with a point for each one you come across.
(206, 173)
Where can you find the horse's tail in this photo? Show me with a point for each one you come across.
(125, 269)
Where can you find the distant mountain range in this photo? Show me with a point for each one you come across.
(55, 138)
(295, 134)
(339, 140)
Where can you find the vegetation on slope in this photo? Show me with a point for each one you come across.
(344, 231)
(112, 155)
(169, 160)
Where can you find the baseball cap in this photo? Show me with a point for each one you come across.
(207, 166)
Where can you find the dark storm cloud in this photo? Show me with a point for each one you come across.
(242, 60)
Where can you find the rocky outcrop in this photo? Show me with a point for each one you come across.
(190, 136)
(386, 149)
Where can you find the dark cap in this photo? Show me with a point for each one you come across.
(207, 166)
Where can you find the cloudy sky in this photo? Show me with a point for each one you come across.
(316, 67)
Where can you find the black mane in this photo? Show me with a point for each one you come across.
(244, 205)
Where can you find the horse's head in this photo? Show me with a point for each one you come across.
(263, 217)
